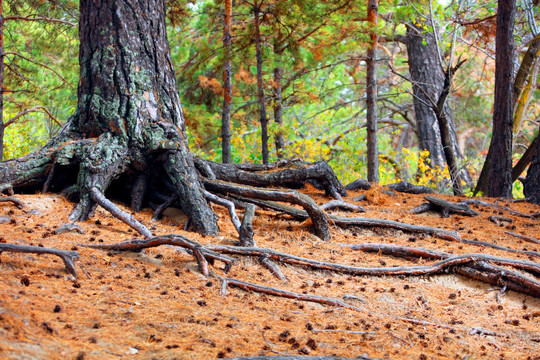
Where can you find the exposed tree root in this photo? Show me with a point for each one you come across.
(228, 204)
(272, 267)
(99, 198)
(498, 220)
(15, 201)
(480, 269)
(67, 256)
(500, 247)
(358, 184)
(382, 223)
(444, 207)
(161, 208)
(246, 228)
(340, 204)
(175, 240)
(285, 174)
(283, 293)
(299, 357)
(523, 237)
(300, 215)
(318, 217)
(500, 207)
(407, 187)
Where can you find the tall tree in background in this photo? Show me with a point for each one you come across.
(227, 86)
(371, 94)
(500, 177)
(128, 121)
(263, 118)
(428, 82)
(36, 17)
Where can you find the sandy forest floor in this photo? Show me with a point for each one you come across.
(158, 305)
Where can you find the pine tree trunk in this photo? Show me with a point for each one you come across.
(1, 82)
(278, 97)
(428, 82)
(128, 120)
(371, 95)
(500, 176)
(531, 188)
(227, 87)
(262, 102)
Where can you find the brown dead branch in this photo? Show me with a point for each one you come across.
(67, 256)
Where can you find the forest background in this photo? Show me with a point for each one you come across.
(313, 67)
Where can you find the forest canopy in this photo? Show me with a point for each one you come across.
(312, 76)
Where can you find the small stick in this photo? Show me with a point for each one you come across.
(523, 237)
(99, 198)
(15, 201)
(67, 256)
(287, 294)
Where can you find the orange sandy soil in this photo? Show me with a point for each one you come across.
(157, 305)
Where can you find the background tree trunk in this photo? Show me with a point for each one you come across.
(1, 82)
(428, 82)
(371, 95)
(227, 87)
(262, 102)
(278, 96)
(500, 176)
(531, 188)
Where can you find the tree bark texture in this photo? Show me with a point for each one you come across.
(278, 98)
(500, 175)
(262, 102)
(531, 188)
(227, 87)
(371, 95)
(128, 120)
(428, 81)
(1, 82)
